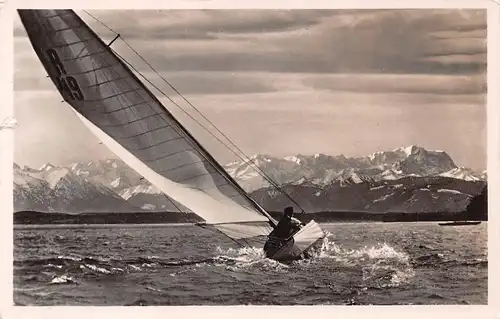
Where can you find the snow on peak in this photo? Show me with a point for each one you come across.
(255, 158)
(451, 191)
(356, 179)
(148, 206)
(300, 181)
(232, 163)
(55, 176)
(82, 172)
(372, 156)
(353, 178)
(484, 175)
(144, 189)
(294, 159)
(409, 150)
(46, 167)
(462, 173)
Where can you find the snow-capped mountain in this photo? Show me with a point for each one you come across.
(465, 174)
(409, 194)
(324, 169)
(30, 192)
(58, 189)
(113, 173)
(318, 181)
(149, 197)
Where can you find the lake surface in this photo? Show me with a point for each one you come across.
(359, 264)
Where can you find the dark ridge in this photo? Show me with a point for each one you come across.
(476, 210)
(479, 204)
(38, 218)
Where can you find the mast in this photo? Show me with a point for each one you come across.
(203, 152)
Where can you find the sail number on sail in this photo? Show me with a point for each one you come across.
(64, 83)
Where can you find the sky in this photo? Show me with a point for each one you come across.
(285, 82)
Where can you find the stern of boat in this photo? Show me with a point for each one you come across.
(297, 246)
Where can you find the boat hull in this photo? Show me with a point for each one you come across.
(297, 246)
(460, 223)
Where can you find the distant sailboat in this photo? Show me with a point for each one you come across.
(460, 223)
(128, 118)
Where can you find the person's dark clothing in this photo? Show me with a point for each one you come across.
(286, 227)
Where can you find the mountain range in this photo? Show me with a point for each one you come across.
(408, 179)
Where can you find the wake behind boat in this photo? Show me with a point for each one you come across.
(105, 93)
(460, 223)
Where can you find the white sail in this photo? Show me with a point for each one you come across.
(131, 121)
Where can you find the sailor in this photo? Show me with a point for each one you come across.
(287, 225)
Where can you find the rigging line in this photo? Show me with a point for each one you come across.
(204, 154)
(202, 225)
(125, 64)
(173, 203)
(116, 33)
(247, 160)
(165, 195)
(187, 101)
(171, 200)
(115, 89)
(201, 125)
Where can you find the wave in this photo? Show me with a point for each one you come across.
(382, 265)
(63, 280)
(439, 259)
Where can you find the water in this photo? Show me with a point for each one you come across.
(366, 263)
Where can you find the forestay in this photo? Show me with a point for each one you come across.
(111, 99)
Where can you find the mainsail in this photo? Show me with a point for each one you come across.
(114, 103)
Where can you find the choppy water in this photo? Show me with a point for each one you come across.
(376, 263)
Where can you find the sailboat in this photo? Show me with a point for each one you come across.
(460, 223)
(103, 91)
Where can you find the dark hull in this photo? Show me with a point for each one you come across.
(460, 223)
(297, 246)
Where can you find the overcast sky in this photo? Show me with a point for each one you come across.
(349, 82)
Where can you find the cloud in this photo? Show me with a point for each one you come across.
(30, 75)
(394, 41)
(205, 24)
(396, 83)
(194, 24)
(222, 82)
(335, 81)
(381, 41)
(351, 123)
(309, 41)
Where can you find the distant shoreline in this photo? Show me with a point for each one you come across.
(103, 226)
(104, 218)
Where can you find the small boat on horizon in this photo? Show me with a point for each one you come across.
(460, 223)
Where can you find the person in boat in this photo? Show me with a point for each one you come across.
(287, 225)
